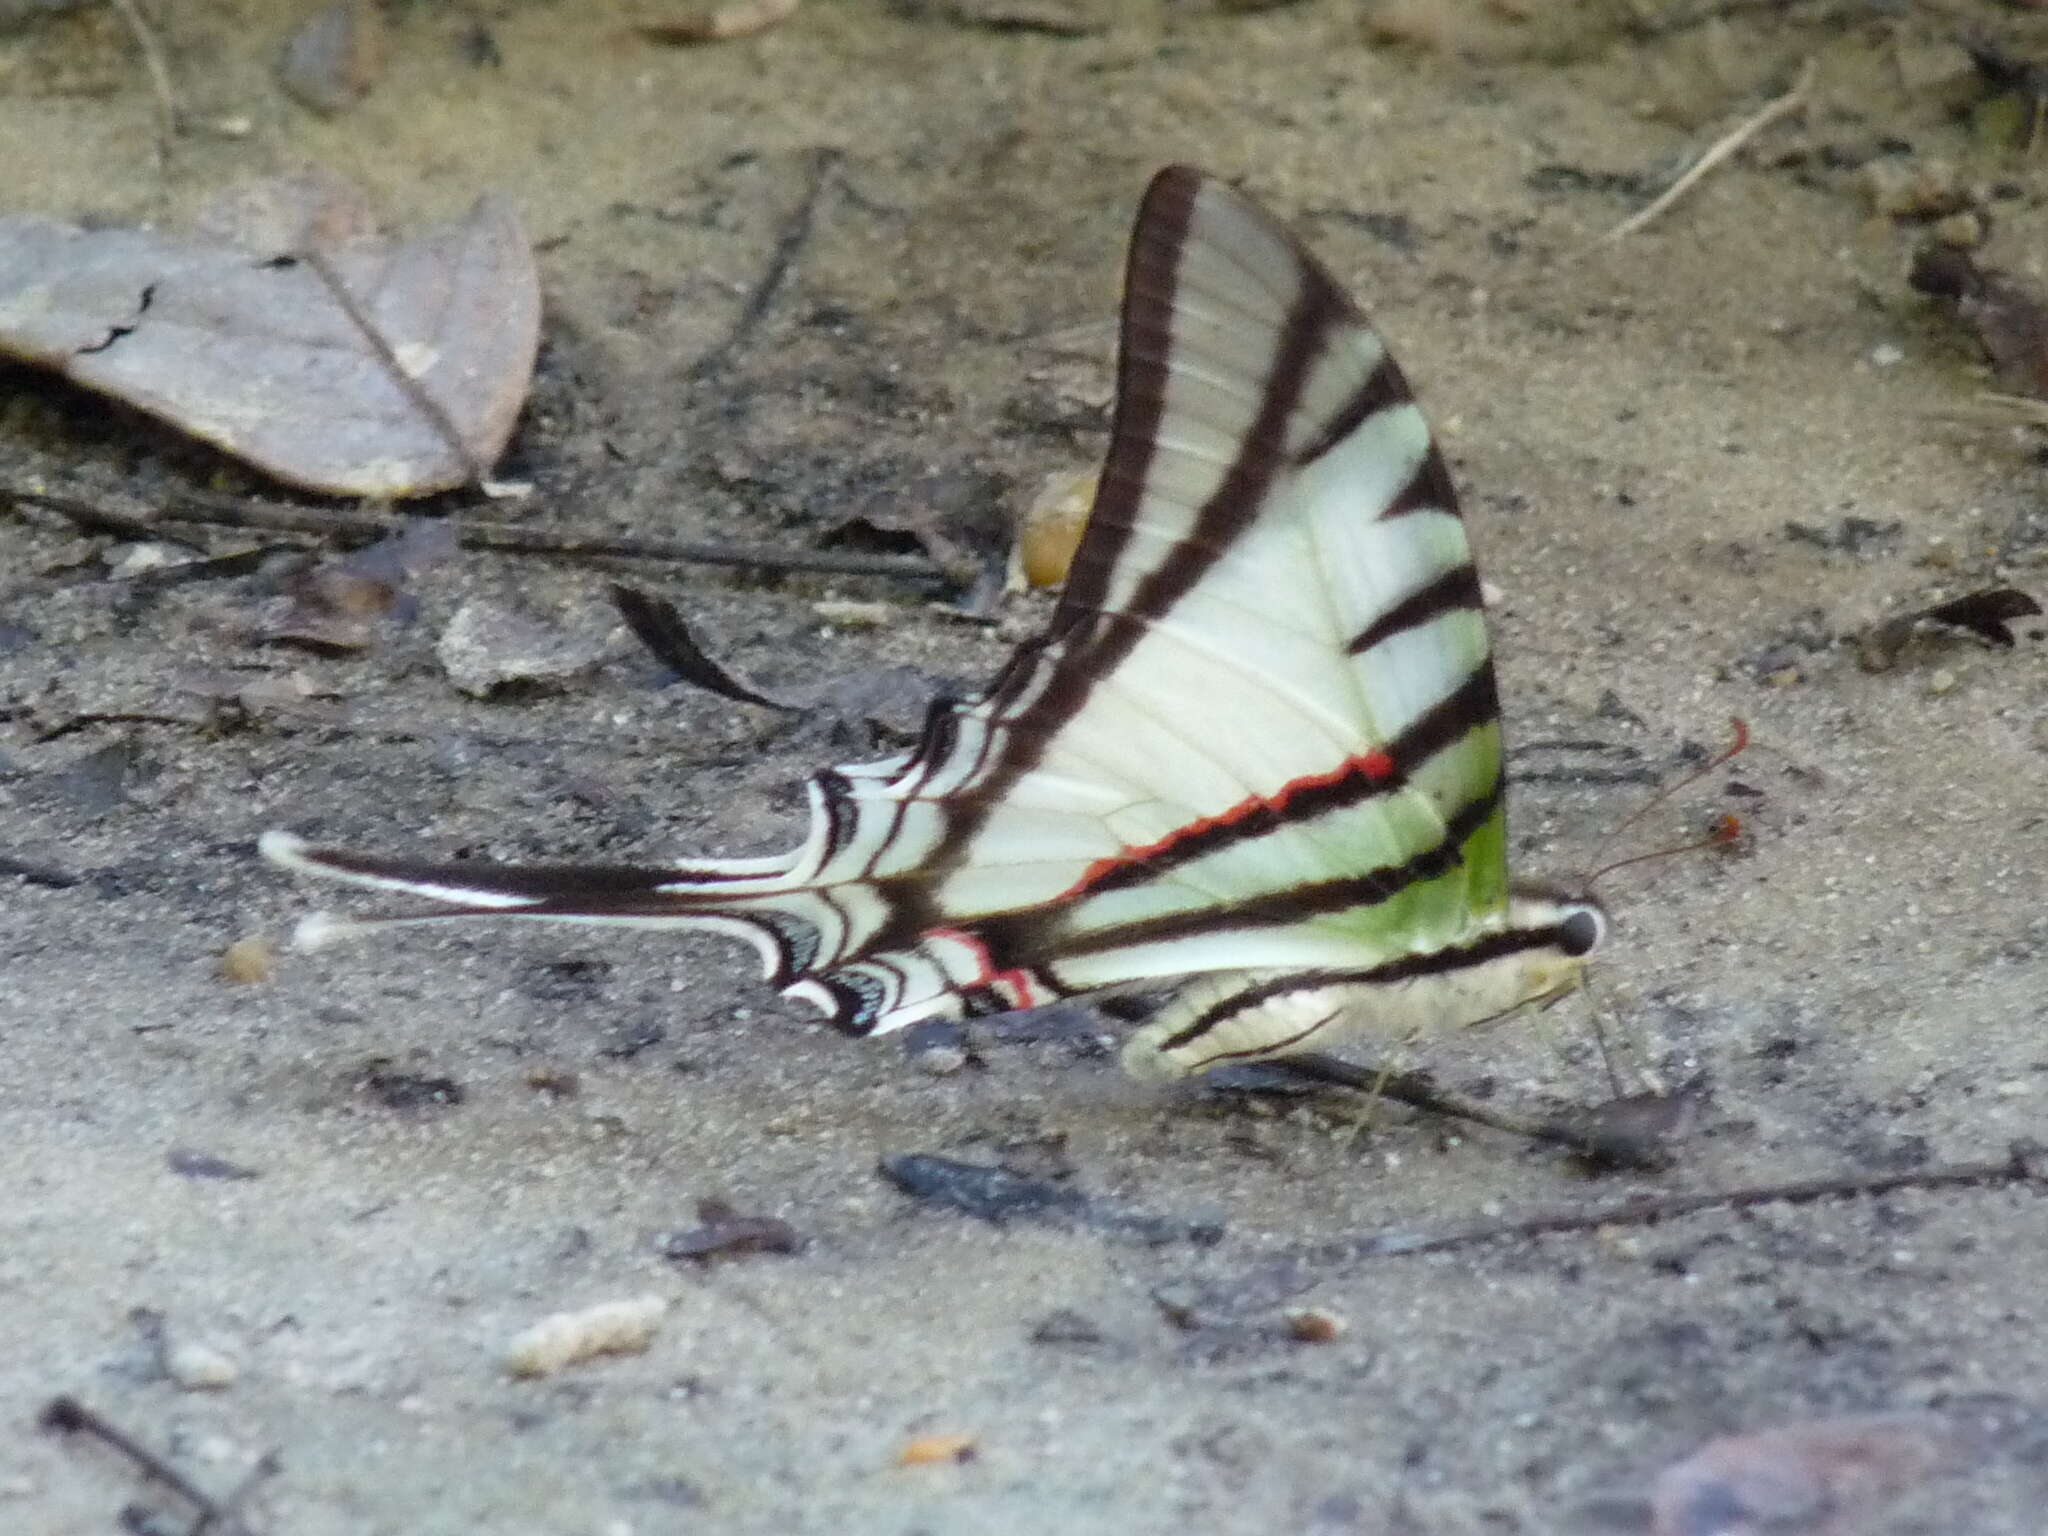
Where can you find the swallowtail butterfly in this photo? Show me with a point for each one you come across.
(1256, 754)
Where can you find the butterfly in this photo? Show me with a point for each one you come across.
(1255, 756)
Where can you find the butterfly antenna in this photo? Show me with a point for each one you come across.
(1726, 830)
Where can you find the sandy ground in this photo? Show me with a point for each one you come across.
(1666, 446)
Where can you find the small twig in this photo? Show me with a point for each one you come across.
(2016, 1168)
(170, 115)
(796, 234)
(1418, 1090)
(508, 538)
(69, 1415)
(98, 519)
(430, 409)
(1718, 151)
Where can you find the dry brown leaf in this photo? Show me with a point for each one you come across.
(253, 352)
(342, 604)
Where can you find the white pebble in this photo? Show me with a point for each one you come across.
(200, 1367)
(610, 1328)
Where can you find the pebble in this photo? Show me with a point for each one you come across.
(200, 1367)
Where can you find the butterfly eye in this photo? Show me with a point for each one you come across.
(1580, 931)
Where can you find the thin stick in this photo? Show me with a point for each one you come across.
(97, 519)
(170, 115)
(511, 539)
(69, 1415)
(2016, 1168)
(1720, 150)
(503, 537)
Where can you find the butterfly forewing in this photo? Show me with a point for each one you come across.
(1260, 733)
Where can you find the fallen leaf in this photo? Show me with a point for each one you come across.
(1988, 615)
(724, 1230)
(341, 604)
(254, 352)
(657, 624)
(999, 1196)
(2008, 313)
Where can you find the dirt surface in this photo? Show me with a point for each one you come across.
(866, 263)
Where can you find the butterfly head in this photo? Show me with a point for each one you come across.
(1558, 930)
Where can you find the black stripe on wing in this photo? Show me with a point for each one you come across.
(1385, 386)
(1456, 588)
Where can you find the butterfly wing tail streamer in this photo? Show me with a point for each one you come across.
(717, 895)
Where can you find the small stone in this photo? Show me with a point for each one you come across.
(129, 560)
(200, 1367)
(939, 1047)
(1314, 1325)
(1939, 682)
(487, 647)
